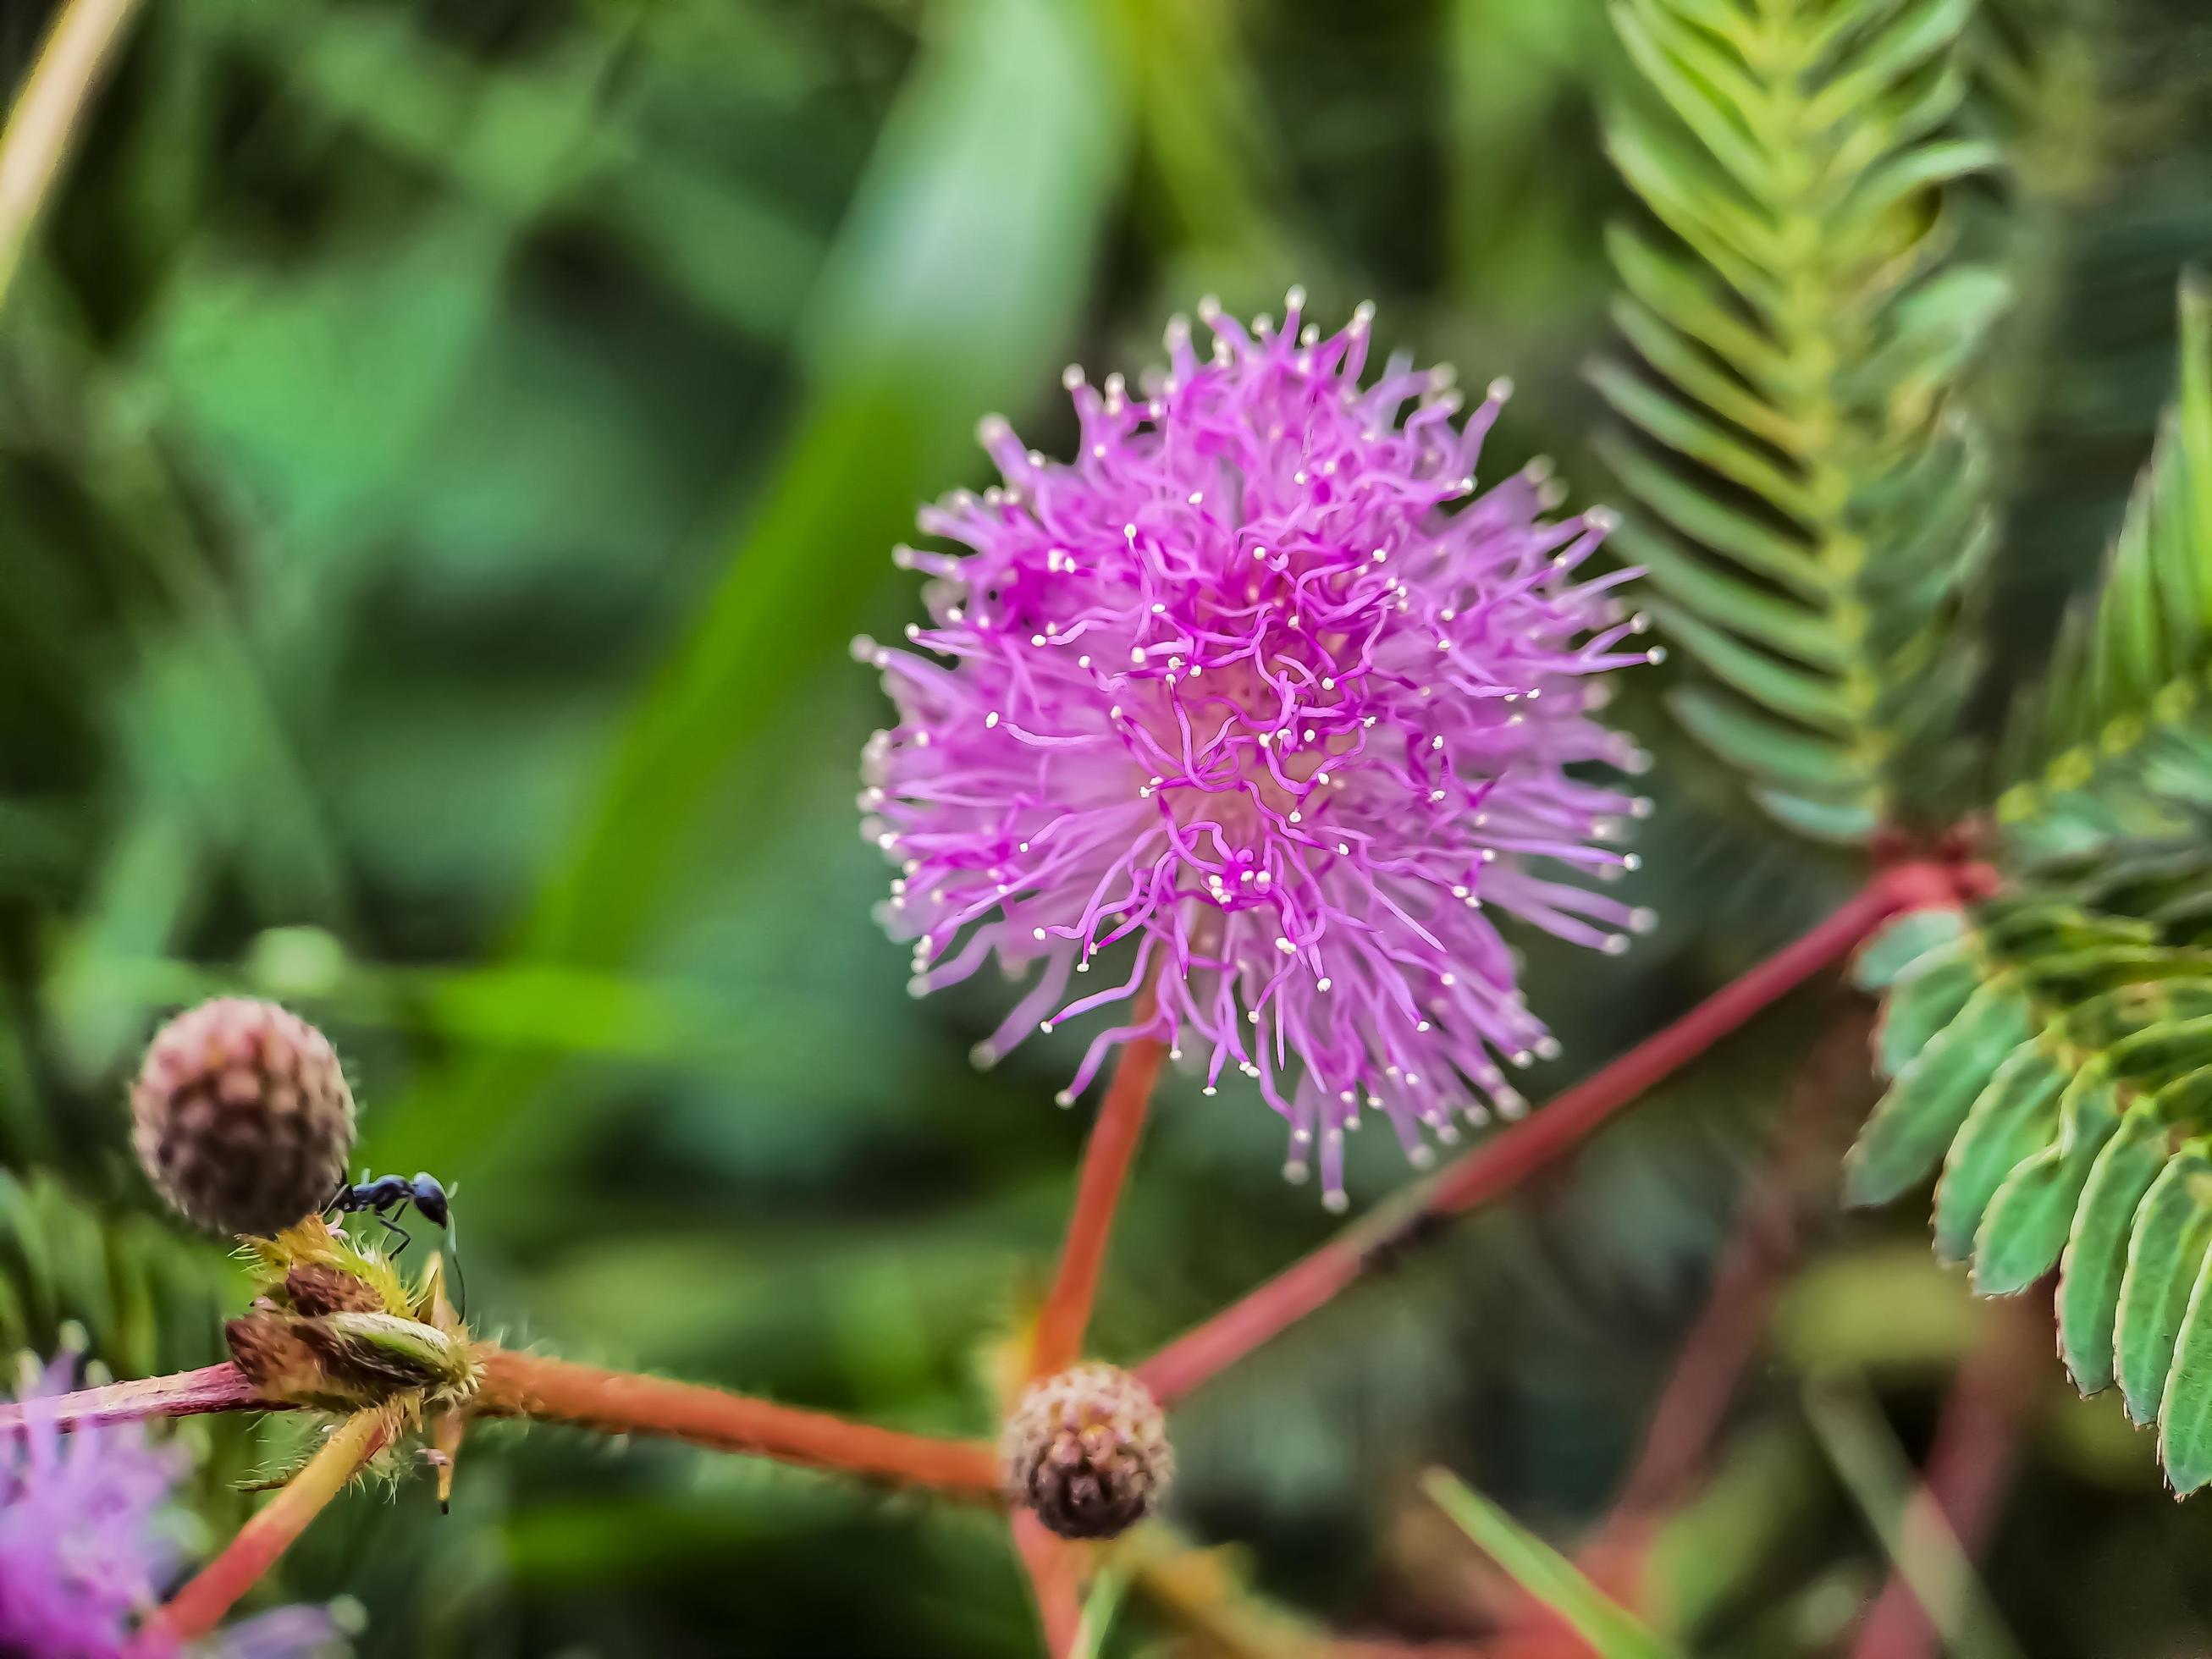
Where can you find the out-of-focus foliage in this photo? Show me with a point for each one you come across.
(1814, 497)
(444, 447)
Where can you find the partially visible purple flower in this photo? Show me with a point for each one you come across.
(1260, 683)
(85, 1548)
(82, 1550)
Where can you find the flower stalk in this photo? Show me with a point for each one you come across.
(222, 1387)
(1511, 1156)
(618, 1402)
(1053, 1567)
(1106, 1160)
(217, 1588)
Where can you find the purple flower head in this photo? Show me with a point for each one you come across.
(82, 1552)
(87, 1545)
(1260, 683)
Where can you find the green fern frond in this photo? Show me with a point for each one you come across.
(2118, 742)
(2053, 1053)
(1810, 496)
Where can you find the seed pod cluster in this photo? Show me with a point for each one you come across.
(1088, 1451)
(241, 1117)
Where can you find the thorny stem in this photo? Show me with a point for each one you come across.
(216, 1589)
(1508, 1156)
(1106, 1160)
(617, 1402)
(47, 113)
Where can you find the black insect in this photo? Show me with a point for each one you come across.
(385, 1197)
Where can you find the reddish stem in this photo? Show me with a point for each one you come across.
(1514, 1154)
(1107, 1156)
(618, 1402)
(1970, 1464)
(1051, 1564)
(222, 1388)
(216, 1588)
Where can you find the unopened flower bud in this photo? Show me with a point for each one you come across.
(241, 1117)
(348, 1361)
(314, 1287)
(267, 1347)
(1088, 1451)
(386, 1353)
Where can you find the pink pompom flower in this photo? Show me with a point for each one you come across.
(1262, 686)
(89, 1541)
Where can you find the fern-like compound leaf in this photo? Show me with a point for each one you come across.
(2052, 1061)
(1810, 497)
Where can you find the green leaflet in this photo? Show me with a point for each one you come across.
(2025, 1227)
(2010, 1121)
(1907, 946)
(2173, 1225)
(1776, 621)
(1845, 823)
(1928, 1103)
(1727, 727)
(2095, 1257)
(1812, 700)
(1925, 999)
(2184, 1411)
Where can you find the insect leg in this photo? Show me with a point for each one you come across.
(392, 1226)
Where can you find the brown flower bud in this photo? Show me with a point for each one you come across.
(268, 1348)
(241, 1117)
(314, 1287)
(1088, 1451)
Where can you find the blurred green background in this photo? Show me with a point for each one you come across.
(445, 448)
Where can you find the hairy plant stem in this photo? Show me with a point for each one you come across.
(618, 1402)
(1508, 1156)
(222, 1387)
(556, 1390)
(202, 1605)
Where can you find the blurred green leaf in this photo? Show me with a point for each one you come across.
(1543, 1573)
(957, 272)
